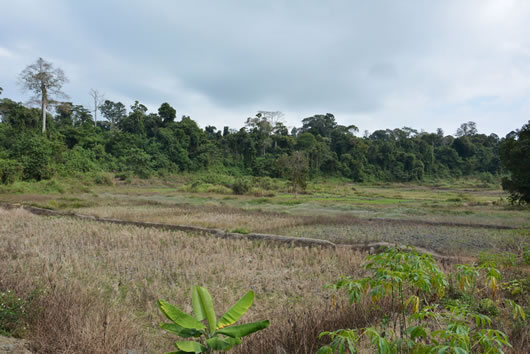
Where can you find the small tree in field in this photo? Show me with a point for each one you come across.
(45, 82)
(296, 168)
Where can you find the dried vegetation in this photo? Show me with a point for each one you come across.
(98, 283)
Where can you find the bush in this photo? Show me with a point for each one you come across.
(10, 171)
(417, 284)
(13, 314)
(124, 176)
(218, 189)
(79, 160)
(104, 179)
(35, 154)
(241, 186)
(52, 186)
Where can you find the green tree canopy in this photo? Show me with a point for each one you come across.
(515, 156)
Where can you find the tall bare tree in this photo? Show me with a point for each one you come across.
(45, 82)
(98, 97)
(273, 117)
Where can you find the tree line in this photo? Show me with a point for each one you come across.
(36, 143)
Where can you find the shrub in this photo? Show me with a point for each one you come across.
(35, 153)
(413, 283)
(13, 314)
(124, 176)
(79, 160)
(241, 186)
(104, 179)
(10, 171)
(52, 186)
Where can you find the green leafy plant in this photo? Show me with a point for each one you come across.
(215, 335)
(13, 313)
(341, 340)
(413, 285)
(241, 186)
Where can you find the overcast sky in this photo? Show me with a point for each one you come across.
(375, 64)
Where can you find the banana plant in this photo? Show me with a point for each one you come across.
(215, 335)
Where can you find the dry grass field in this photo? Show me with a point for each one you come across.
(95, 285)
(339, 228)
(98, 283)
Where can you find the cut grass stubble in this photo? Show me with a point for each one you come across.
(99, 282)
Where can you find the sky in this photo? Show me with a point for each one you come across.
(375, 64)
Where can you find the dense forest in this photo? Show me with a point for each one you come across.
(144, 143)
(36, 144)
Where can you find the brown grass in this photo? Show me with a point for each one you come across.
(99, 283)
(219, 217)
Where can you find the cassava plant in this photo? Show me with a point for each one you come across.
(413, 285)
(215, 335)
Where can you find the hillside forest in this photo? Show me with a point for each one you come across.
(135, 142)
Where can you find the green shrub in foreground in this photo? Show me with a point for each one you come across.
(13, 314)
(417, 320)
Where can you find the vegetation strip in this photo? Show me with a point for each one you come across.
(378, 247)
(216, 232)
(442, 223)
(373, 247)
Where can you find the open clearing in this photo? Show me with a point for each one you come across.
(99, 283)
(463, 219)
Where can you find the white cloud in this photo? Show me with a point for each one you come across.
(374, 64)
(4, 52)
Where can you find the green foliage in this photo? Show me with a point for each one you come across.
(79, 159)
(10, 171)
(515, 155)
(145, 144)
(241, 186)
(415, 286)
(13, 313)
(35, 153)
(241, 231)
(217, 335)
(341, 340)
(296, 169)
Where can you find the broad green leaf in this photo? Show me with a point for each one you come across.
(325, 350)
(417, 331)
(459, 350)
(196, 304)
(235, 312)
(233, 341)
(180, 318)
(180, 331)
(217, 343)
(206, 304)
(443, 349)
(244, 330)
(191, 347)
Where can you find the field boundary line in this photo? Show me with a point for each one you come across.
(300, 241)
(373, 247)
